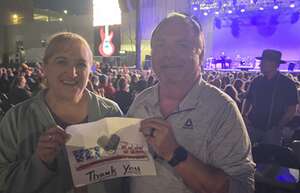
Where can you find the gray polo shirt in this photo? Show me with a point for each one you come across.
(208, 124)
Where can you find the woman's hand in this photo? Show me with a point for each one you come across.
(50, 144)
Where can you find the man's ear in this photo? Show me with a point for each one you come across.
(200, 52)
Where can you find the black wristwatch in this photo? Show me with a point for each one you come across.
(180, 154)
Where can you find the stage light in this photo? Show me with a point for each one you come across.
(15, 16)
(195, 8)
(217, 13)
(229, 11)
(106, 12)
(205, 14)
(15, 19)
(261, 8)
(295, 17)
(275, 7)
(292, 5)
(243, 10)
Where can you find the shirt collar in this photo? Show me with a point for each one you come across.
(189, 101)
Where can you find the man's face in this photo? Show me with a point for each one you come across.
(176, 52)
(268, 67)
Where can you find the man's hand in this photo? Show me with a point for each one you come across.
(50, 144)
(160, 136)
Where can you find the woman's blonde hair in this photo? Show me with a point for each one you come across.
(61, 38)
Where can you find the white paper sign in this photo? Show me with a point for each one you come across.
(106, 149)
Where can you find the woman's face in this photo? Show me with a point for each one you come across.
(68, 69)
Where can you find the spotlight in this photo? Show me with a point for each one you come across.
(275, 7)
(15, 16)
(195, 8)
(205, 14)
(217, 13)
(243, 10)
(230, 11)
(261, 8)
(292, 5)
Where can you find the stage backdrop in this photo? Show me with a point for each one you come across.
(252, 40)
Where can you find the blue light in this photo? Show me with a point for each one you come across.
(275, 7)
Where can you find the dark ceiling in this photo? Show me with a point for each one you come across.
(76, 7)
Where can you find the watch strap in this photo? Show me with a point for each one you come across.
(180, 154)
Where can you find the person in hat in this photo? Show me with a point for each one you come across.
(271, 101)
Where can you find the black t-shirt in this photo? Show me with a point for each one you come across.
(270, 100)
(17, 95)
(124, 100)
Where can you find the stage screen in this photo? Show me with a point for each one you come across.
(106, 12)
(113, 41)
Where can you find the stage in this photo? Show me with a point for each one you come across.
(295, 71)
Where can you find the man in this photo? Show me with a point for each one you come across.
(271, 101)
(199, 140)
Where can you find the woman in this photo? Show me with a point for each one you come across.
(32, 137)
